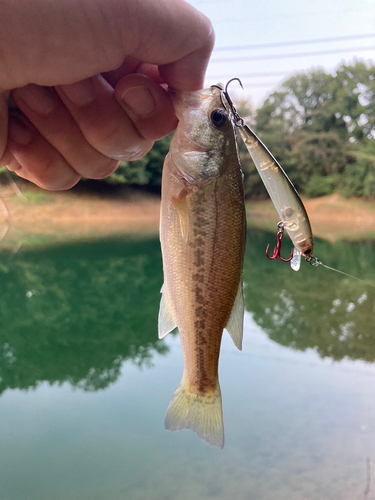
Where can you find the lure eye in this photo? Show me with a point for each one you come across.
(219, 118)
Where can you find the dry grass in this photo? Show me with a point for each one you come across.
(59, 217)
(332, 218)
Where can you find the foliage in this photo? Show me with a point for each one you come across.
(359, 175)
(320, 185)
(321, 128)
(38, 197)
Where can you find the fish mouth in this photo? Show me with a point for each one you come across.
(191, 99)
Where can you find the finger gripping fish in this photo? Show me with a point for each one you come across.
(202, 234)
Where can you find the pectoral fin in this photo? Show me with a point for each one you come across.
(235, 323)
(183, 215)
(166, 322)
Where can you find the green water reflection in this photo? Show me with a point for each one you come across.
(315, 308)
(76, 313)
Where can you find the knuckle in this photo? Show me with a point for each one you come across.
(110, 140)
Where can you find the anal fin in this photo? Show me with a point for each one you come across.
(166, 322)
(235, 323)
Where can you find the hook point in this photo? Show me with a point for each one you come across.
(233, 80)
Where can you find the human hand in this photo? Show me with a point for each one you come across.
(82, 82)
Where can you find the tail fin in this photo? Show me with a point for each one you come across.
(203, 414)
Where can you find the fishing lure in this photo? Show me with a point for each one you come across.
(292, 213)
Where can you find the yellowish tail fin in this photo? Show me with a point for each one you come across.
(203, 414)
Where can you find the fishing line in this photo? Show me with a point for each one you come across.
(316, 262)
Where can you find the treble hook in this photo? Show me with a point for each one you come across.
(227, 102)
(277, 250)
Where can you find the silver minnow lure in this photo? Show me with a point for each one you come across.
(283, 194)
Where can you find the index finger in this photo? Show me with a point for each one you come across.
(181, 43)
(188, 72)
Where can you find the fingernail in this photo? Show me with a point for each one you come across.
(19, 132)
(139, 100)
(80, 93)
(39, 99)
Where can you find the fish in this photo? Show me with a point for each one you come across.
(282, 192)
(203, 237)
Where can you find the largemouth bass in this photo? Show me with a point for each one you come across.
(202, 234)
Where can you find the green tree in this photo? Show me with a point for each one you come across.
(321, 128)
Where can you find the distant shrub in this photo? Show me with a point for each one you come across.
(359, 176)
(321, 186)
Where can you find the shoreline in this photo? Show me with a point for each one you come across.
(332, 218)
(37, 217)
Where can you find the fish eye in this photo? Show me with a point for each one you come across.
(219, 118)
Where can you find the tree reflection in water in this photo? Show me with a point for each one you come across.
(76, 313)
(314, 308)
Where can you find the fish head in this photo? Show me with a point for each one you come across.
(204, 139)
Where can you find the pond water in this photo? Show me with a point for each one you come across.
(84, 382)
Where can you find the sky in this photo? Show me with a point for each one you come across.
(286, 25)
